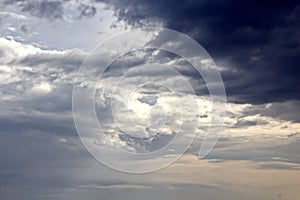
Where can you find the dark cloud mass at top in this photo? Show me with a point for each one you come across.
(256, 41)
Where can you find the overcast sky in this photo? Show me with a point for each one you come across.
(146, 97)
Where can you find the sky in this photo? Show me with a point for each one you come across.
(119, 99)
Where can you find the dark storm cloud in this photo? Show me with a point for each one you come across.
(256, 41)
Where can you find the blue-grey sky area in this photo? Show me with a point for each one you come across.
(143, 100)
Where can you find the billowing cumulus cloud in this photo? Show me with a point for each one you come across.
(41, 81)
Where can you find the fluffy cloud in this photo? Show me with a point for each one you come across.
(41, 81)
(40, 142)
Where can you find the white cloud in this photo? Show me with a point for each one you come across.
(41, 88)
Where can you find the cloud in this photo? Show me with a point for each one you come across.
(49, 9)
(37, 85)
(111, 185)
(245, 38)
(285, 111)
(41, 155)
(28, 28)
(36, 88)
(87, 11)
(42, 9)
(278, 166)
(13, 15)
(249, 50)
(41, 81)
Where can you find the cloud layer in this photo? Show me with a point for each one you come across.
(256, 47)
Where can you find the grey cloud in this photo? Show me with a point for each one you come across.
(87, 11)
(277, 166)
(287, 111)
(142, 145)
(196, 186)
(296, 135)
(50, 9)
(24, 106)
(48, 109)
(43, 9)
(257, 152)
(150, 100)
(27, 28)
(96, 185)
(130, 65)
(68, 61)
(246, 123)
